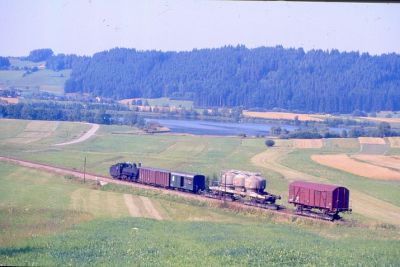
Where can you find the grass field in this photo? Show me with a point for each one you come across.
(45, 80)
(50, 220)
(15, 62)
(54, 220)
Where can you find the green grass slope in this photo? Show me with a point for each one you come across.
(39, 226)
(45, 80)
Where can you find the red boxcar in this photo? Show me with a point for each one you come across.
(331, 199)
(154, 176)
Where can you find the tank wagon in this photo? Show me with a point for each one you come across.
(158, 177)
(245, 187)
(319, 200)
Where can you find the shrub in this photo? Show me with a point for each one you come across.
(269, 143)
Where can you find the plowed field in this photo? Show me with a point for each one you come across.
(345, 163)
(280, 116)
(308, 143)
(371, 140)
(391, 162)
(394, 142)
(35, 131)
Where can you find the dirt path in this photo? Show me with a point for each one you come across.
(270, 159)
(151, 210)
(360, 202)
(130, 204)
(84, 137)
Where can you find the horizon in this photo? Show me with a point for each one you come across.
(207, 48)
(86, 28)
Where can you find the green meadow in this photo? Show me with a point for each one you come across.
(49, 219)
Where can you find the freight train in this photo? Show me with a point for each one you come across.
(310, 199)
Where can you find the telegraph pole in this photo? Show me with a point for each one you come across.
(84, 171)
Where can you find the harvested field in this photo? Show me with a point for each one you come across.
(388, 120)
(374, 149)
(347, 143)
(127, 101)
(372, 140)
(139, 206)
(345, 163)
(35, 131)
(307, 143)
(391, 162)
(280, 116)
(394, 142)
(373, 145)
(98, 203)
(10, 100)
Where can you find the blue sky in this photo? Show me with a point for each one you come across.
(88, 26)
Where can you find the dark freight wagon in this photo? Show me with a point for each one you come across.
(154, 176)
(328, 199)
(188, 181)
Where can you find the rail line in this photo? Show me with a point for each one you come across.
(96, 177)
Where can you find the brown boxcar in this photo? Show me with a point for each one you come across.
(330, 199)
(152, 176)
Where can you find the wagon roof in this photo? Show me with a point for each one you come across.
(316, 186)
(153, 169)
(185, 174)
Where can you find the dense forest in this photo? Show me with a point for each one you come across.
(4, 63)
(265, 77)
(39, 55)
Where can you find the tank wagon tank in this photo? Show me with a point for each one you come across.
(245, 187)
(322, 201)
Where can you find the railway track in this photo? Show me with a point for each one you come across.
(95, 177)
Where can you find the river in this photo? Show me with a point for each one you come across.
(200, 127)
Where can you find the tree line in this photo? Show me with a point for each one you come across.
(66, 111)
(264, 78)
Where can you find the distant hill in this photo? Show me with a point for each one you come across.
(266, 77)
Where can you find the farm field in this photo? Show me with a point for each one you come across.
(79, 222)
(282, 116)
(394, 142)
(395, 121)
(308, 143)
(45, 80)
(371, 168)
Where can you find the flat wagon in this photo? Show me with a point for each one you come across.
(319, 200)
